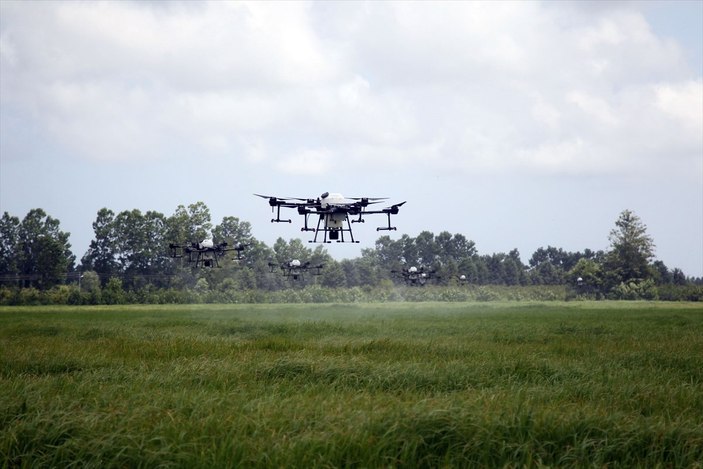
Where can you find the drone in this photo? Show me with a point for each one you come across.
(295, 269)
(334, 212)
(205, 253)
(414, 276)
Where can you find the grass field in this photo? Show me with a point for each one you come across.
(580, 384)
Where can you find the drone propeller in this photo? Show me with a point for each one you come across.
(394, 208)
(271, 197)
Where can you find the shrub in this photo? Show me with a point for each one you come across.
(636, 290)
(112, 293)
(31, 297)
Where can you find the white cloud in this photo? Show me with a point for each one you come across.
(684, 103)
(401, 95)
(480, 85)
(306, 162)
(596, 107)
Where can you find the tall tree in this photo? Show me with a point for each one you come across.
(141, 245)
(235, 232)
(387, 253)
(426, 248)
(631, 249)
(102, 251)
(44, 253)
(9, 228)
(189, 225)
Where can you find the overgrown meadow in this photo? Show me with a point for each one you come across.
(353, 385)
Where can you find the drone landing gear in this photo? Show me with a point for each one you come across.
(389, 227)
(334, 233)
(278, 216)
(206, 262)
(305, 227)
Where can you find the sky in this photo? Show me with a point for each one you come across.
(519, 125)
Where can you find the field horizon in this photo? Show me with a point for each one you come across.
(568, 384)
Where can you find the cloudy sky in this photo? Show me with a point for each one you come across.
(517, 124)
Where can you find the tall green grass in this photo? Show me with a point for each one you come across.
(399, 385)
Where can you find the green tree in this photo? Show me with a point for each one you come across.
(44, 253)
(141, 246)
(388, 253)
(113, 294)
(235, 232)
(189, 225)
(426, 248)
(9, 235)
(661, 273)
(586, 276)
(631, 250)
(102, 251)
(368, 267)
(550, 265)
(351, 272)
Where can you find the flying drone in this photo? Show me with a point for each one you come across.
(205, 253)
(414, 276)
(334, 211)
(295, 269)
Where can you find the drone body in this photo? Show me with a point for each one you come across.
(414, 276)
(295, 270)
(204, 253)
(334, 211)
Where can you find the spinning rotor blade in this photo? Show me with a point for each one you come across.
(273, 197)
(393, 209)
(289, 202)
(364, 201)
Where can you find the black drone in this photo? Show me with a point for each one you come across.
(334, 211)
(414, 276)
(205, 253)
(294, 270)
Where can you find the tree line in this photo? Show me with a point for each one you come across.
(129, 254)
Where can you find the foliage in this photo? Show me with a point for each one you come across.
(636, 290)
(133, 247)
(102, 252)
(35, 250)
(9, 236)
(631, 250)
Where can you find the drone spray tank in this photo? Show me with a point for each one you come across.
(334, 220)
